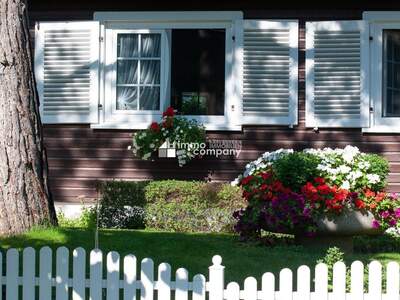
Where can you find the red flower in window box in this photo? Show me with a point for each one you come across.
(169, 112)
(155, 127)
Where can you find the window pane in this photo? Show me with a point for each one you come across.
(151, 45)
(149, 98)
(127, 45)
(150, 71)
(391, 73)
(127, 72)
(198, 71)
(126, 98)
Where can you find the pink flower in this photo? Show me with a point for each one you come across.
(375, 224)
(397, 213)
(385, 214)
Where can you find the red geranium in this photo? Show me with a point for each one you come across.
(155, 127)
(169, 112)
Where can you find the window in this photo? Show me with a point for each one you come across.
(391, 73)
(138, 71)
(198, 71)
(385, 71)
(187, 60)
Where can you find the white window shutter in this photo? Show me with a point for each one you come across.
(337, 74)
(270, 68)
(67, 71)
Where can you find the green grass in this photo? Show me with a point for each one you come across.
(192, 251)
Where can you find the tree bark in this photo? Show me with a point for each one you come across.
(25, 198)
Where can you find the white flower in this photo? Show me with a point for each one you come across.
(354, 175)
(364, 165)
(349, 152)
(344, 169)
(152, 146)
(373, 178)
(129, 147)
(345, 185)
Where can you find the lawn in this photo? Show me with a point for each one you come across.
(192, 251)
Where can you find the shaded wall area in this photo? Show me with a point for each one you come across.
(79, 156)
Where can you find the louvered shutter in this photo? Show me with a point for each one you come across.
(270, 59)
(337, 74)
(66, 68)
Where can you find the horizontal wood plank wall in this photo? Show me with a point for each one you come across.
(79, 156)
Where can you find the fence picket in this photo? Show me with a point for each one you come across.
(375, 280)
(164, 281)
(250, 288)
(130, 277)
(392, 280)
(339, 281)
(12, 269)
(1, 276)
(62, 258)
(321, 282)
(303, 283)
(96, 274)
(45, 273)
(28, 269)
(199, 287)
(232, 291)
(79, 274)
(357, 280)
(112, 276)
(286, 284)
(216, 279)
(147, 279)
(182, 285)
(268, 286)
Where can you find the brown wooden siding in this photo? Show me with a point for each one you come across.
(79, 156)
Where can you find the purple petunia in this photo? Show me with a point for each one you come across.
(375, 224)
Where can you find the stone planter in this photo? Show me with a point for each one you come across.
(350, 223)
(339, 231)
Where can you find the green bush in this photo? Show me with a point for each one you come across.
(295, 169)
(191, 206)
(87, 219)
(379, 166)
(122, 204)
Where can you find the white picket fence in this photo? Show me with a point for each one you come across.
(116, 282)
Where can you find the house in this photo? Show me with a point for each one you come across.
(270, 74)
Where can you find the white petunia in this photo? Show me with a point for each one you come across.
(345, 185)
(349, 152)
(373, 178)
(344, 169)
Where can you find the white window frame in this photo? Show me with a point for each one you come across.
(111, 113)
(112, 22)
(378, 21)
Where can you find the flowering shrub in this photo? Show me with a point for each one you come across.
(178, 132)
(351, 169)
(271, 207)
(289, 191)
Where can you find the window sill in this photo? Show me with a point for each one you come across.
(140, 126)
(382, 129)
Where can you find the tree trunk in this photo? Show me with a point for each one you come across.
(25, 198)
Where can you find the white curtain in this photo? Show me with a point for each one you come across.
(149, 71)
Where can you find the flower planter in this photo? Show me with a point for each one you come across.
(339, 231)
(349, 223)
